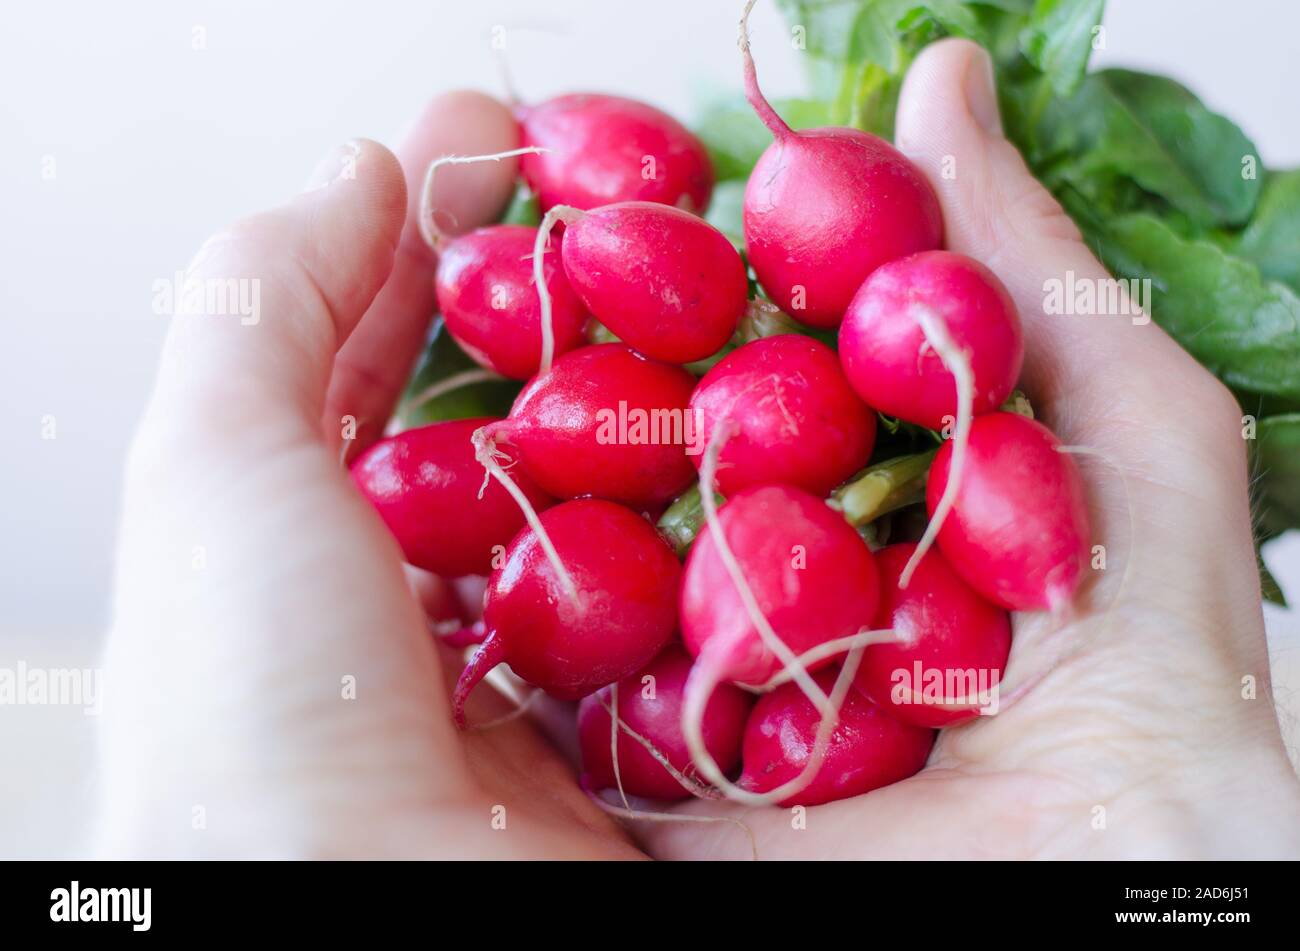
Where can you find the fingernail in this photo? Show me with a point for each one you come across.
(981, 95)
(338, 165)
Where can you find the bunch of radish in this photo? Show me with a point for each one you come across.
(841, 596)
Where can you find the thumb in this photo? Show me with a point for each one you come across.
(996, 212)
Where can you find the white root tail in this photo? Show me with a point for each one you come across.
(613, 743)
(700, 686)
(958, 364)
(568, 215)
(429, 230)
(698, 790)
(451, 384)
(830, 649)
(487, 453)
(723, 431)
(636, 815)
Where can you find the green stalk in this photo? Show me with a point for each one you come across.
(883, 488)
(683, 519)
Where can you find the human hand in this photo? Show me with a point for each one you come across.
(226, 682)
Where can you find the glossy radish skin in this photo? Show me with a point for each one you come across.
(826, 207)
(812, 575)
(626, 578)
(1018, 532)
(564, 425)
(946, 627)
(488, 299)
(885, 353)
(425, 482)
(867, 750)
(666, 282)
(605, 149)
(797, 421)
(654, 710)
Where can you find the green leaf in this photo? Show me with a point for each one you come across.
(1058, 40)
(1153, 132)
(1277, 467)
(444, 362)
(1272, 238)
(1243, 328)
(726, 211)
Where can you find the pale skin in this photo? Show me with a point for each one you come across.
(254, 584)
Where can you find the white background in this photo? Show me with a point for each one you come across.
(156, 144)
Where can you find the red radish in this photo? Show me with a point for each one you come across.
(602, 149)
(812, 577)
(665, 282)
(895, 369)
(488, 299)
(796, 419)
(1018, 532)
(650, 703)
(867, 750)
(607, 422)
(825, 207)
(425, 483)
(570, 636)
(951, 650)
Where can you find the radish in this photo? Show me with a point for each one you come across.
(933, 338)
(665, 282)
(811, 575)
(1018, 532)
(601, 149)
(649, 705)
(867, 750)
(425, 484)
(951, 650)
(484, 285)
(892, 365)
(796, 419)
(611, 610)
(825, 207)
(605, 421)
(486, 294)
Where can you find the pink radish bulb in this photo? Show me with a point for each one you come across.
(607, 422)
(1018, 531)
(665, 282)
(650, 702)
(797, 421)
(885, 352)
(488, 299)
(953, 645)
(868, 748)
(425, 483)
(812, 576)
(604, 149)
(825, 207)
(619, 614)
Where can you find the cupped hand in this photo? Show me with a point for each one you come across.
(272, 687)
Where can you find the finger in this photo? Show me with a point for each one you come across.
(1078, 367)
(265, 303)
(375, 362)
(1166, 433)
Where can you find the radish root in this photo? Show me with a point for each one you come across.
(637, 815)
(488, 453)
(830, 649)
(723, 431)
(778, 126)
(699, 688)
(429, 230)
(958, 364)
(693, 787)
(613, 743)
(567, 214)
(450, 384)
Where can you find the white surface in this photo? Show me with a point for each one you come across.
(156, 144)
